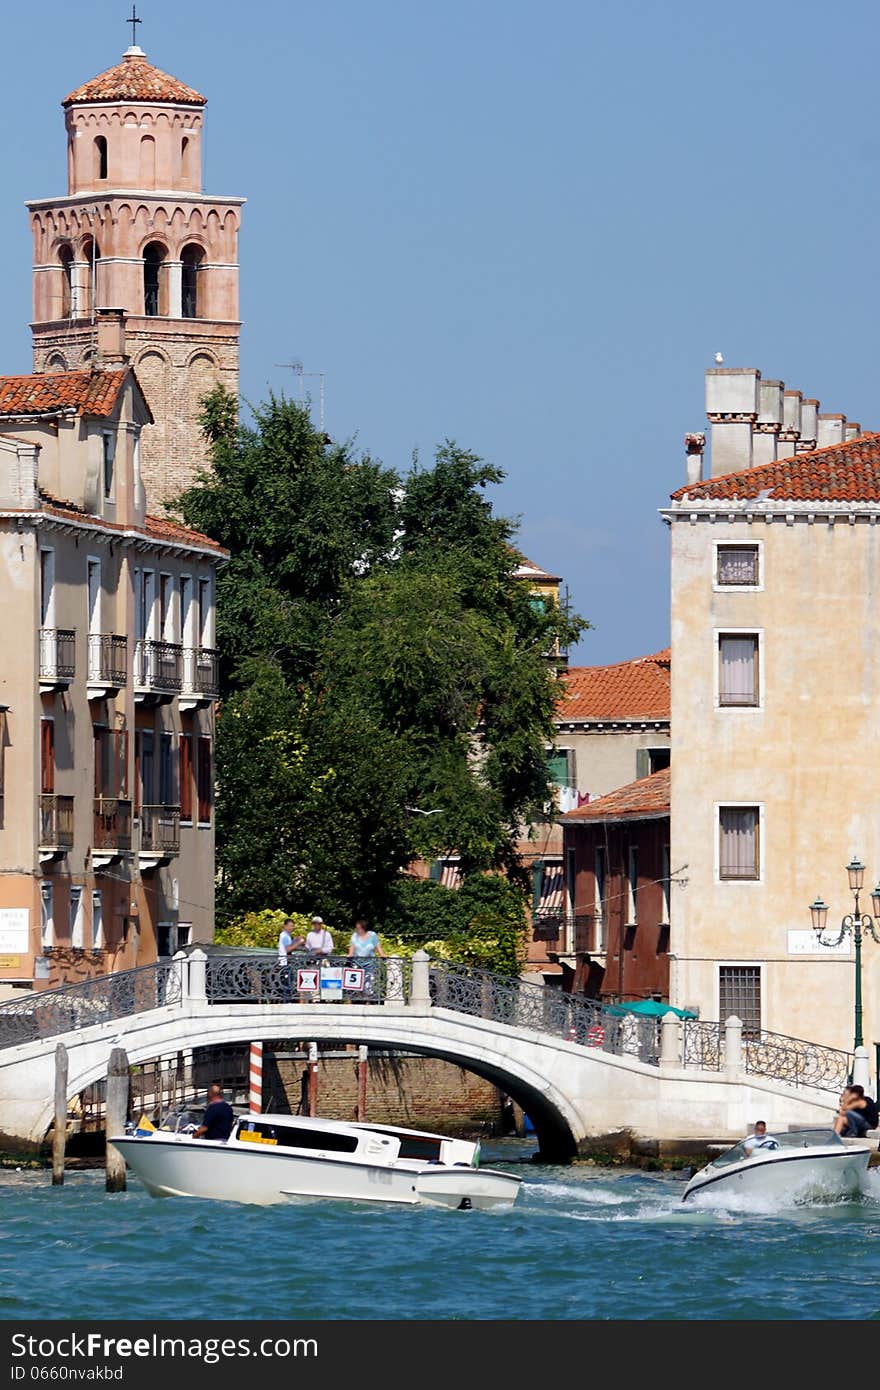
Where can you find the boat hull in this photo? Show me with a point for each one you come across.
(785, 1177)
(238, 1173)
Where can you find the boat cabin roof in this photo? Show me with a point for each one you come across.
(354, 1126)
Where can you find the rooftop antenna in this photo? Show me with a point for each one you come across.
(134, 21)
(297, 367)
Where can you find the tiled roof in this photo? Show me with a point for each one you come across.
(848, 472)
(134, 79)
(626, 692)
(641, 800)
(85, 393)
(161, 529)
(157, 528)
(527, 569)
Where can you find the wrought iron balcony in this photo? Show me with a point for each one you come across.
(56, 825)
(201, 676)
(158, 669)
(108, 662)
(160, 835)
(112, 830)
(57, 657)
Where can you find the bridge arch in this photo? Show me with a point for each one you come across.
(558, 1125)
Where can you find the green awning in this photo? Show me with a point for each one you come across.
(648, 1008)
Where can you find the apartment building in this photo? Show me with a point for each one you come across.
(775, 710)
(108, 682)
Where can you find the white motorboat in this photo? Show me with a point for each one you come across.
(279, 1158)
(799, 1166)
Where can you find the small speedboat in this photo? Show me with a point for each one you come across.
(281, 1158)
(799, 1166)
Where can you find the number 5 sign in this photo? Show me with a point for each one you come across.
(353, 977)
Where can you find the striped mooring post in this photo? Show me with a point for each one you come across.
(255, 1079)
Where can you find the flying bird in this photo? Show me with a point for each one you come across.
(718, 358)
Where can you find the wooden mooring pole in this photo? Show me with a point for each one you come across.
(363, 1050)
(59, 1130)
(117, 1114)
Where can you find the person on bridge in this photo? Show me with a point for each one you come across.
(364, 943)
(219, 1116)
(319, 941)
(286, 944)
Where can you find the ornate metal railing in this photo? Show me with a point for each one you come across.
(264, 980)
(108, 659)
(796, 1062)
(112, 829)
(701, 1044)
(201, 671)
(160, 830)
(47, 1013)
(56, 821)
(574, 1017)
(57, 654)
(158, 666)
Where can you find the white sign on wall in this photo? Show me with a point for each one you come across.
(15, 923)
(806, 943)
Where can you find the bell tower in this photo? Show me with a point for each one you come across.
(135, 232)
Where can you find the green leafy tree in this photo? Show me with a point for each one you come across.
(378, 660)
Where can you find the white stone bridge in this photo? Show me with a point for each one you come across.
(580, 1072)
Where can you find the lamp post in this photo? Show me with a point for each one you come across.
(853, 924)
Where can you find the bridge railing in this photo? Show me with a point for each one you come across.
(49, 1013)
(505, 999)
(306, 979)
(775, 1055)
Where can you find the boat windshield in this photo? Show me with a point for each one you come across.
(791, 1139)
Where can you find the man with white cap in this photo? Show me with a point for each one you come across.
(319, 941)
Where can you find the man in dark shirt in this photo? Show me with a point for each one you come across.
(857, 1113)
(219, 1117)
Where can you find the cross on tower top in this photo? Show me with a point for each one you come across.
(133, 21)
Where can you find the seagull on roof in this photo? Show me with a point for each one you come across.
(718, 358)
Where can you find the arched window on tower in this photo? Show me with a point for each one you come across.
(184, 159)
(191, 260)
(65, 260)
(155, 271)
(91, 254)
(148, 162)
(101, 156)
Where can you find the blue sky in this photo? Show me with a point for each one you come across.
(525, 228)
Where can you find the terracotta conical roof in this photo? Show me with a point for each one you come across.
(134, 79)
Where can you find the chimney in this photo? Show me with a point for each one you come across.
(732, 409)
(809, 426)
(769, 422)
(111, 338)
(791, 423)
(853, 431)
(694, 444)
(832, 430)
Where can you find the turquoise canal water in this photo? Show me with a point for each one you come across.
(580, 1243)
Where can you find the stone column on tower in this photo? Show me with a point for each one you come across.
(135, 232)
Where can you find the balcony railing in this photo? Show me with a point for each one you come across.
(157, 667)
(57, 656)
(160, 832)
(108, 660)
(201, 672)
(112, 829)
(56, 822)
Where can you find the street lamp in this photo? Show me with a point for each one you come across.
(854, 924)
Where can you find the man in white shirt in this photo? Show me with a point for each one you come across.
(759, 1140)
(286, 944)
(319, 941)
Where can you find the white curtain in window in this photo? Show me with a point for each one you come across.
(739, 685)
(739, 843)
(738, 566)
